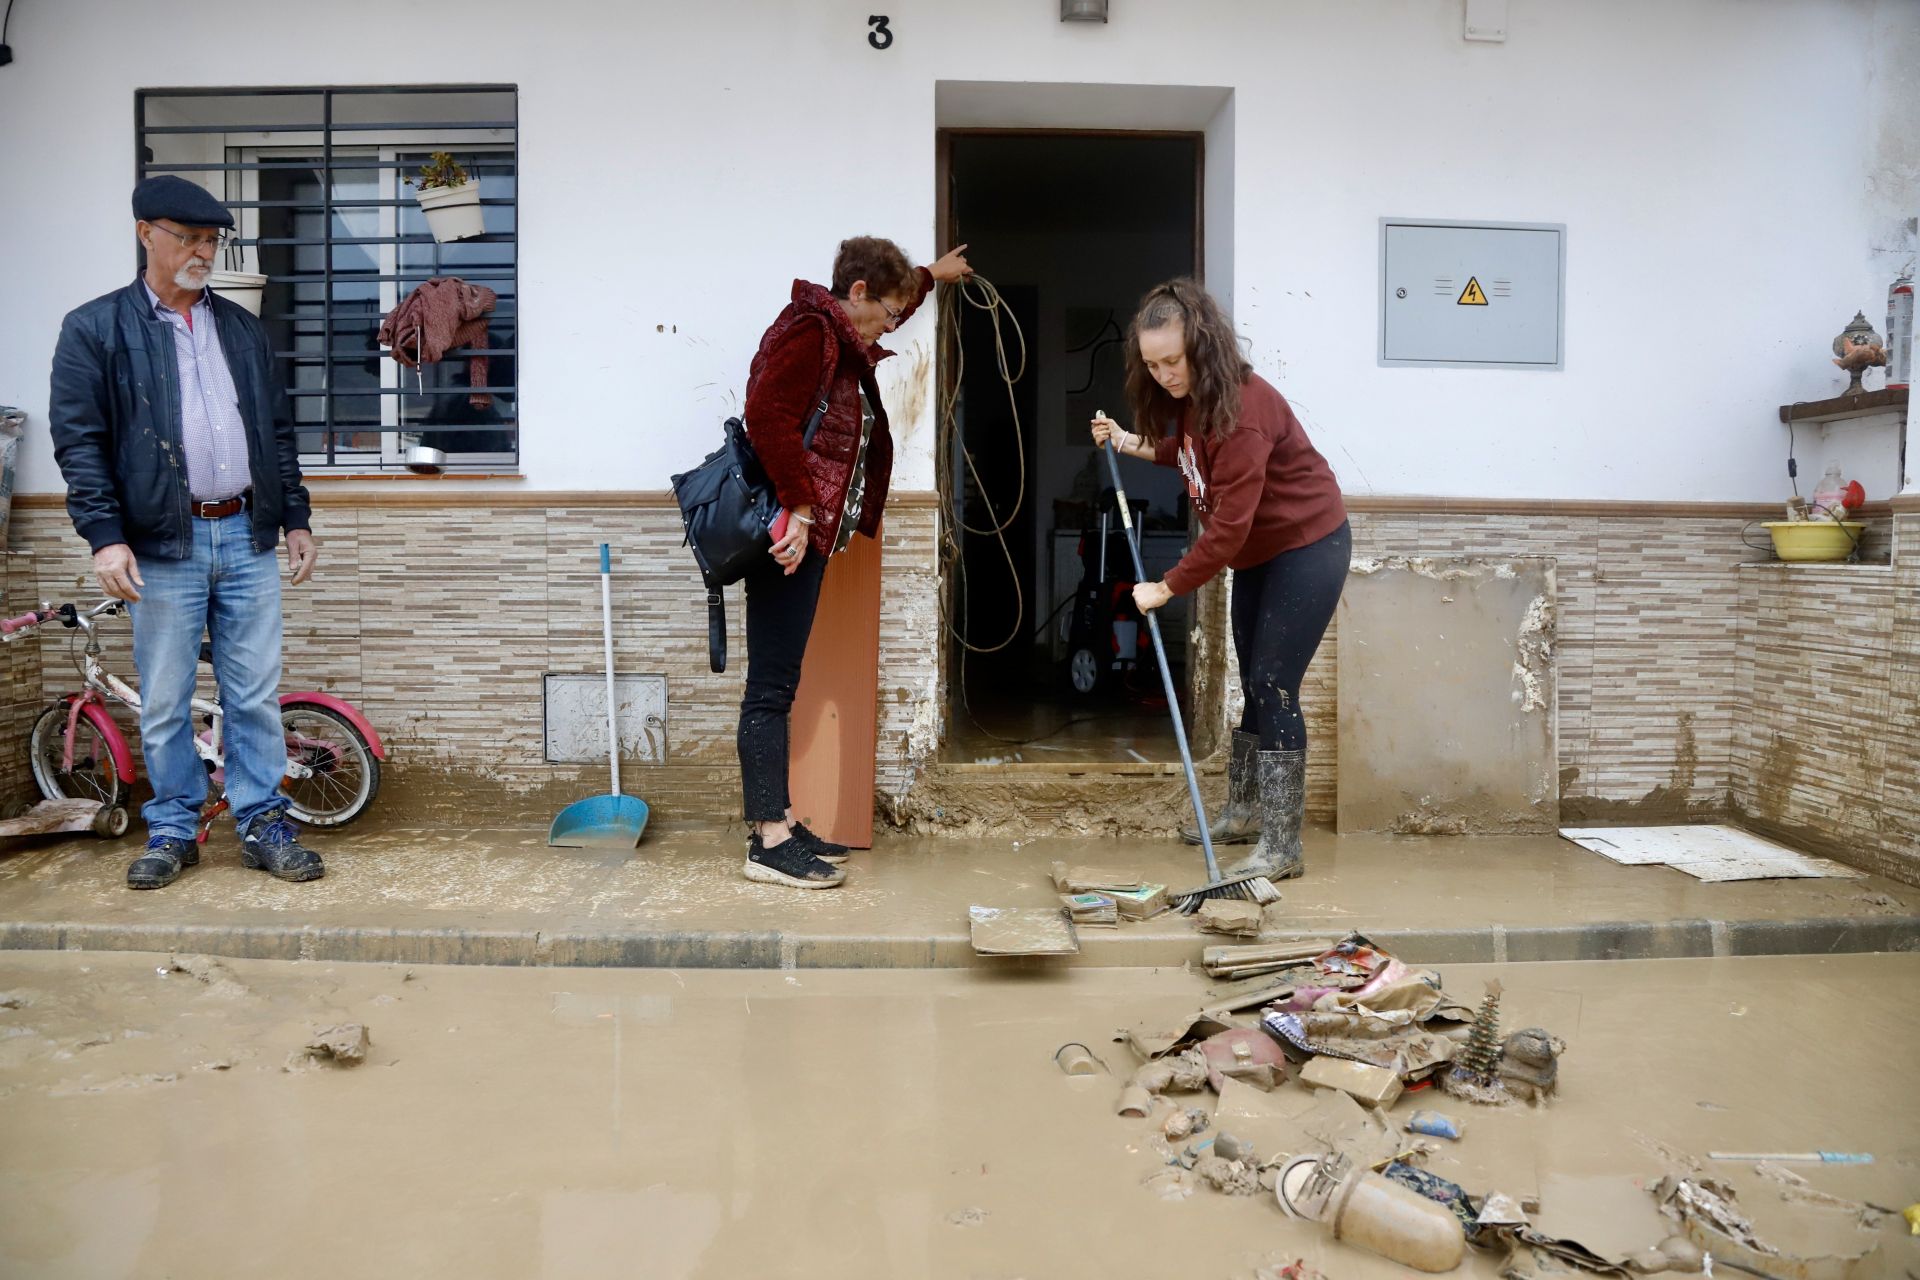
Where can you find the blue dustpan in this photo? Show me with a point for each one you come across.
(613, 821)
(599, 822)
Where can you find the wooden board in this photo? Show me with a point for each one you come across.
(835, 710)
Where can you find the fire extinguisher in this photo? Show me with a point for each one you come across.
(1900, 331)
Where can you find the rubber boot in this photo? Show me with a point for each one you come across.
(1240, 822)
(1283, 805)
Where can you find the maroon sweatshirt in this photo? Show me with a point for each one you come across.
(1262, 490)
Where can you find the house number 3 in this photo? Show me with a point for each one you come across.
(880, 37)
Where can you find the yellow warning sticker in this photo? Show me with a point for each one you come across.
(1473, 295)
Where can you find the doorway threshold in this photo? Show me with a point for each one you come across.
(1066, 768)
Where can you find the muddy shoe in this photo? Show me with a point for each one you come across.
(1283, 806)
(160, 865)
(1240, 822)
(823, 849)
(792, 863)
(272, 844)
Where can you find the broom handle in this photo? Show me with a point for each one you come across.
(1166, 673)
(606, 637)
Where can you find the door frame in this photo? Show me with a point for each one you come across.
(1206, 677)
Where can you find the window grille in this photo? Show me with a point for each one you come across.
(316, 179)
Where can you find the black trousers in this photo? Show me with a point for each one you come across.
(1280, 613)
(780, 610)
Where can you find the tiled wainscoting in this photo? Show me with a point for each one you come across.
(1695, 680)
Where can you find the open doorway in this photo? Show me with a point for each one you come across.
(1051, 663)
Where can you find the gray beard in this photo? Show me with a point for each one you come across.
(184, 277)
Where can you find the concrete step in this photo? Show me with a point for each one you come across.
(444, 896)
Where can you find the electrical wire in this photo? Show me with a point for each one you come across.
(978, 292)
(6, 22)
(1094, 346)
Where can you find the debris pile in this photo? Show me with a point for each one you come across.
(1357, 1031)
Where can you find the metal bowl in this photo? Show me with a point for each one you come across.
(425, 460)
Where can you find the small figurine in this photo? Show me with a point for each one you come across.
(1857, 349)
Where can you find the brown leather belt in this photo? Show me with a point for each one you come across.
(218, 510)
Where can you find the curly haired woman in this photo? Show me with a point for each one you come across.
(1272, 513)
(818, 355)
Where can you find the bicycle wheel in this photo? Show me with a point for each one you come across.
(345, 774)
(93, 776)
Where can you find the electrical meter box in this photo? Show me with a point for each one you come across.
(1487, 295)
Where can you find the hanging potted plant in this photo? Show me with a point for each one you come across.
(236, 285)
(449, 198)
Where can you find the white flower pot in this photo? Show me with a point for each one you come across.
(453, 213)
(242, 287)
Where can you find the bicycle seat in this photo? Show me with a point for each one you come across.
(206, 652)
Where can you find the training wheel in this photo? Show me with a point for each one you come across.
(111, 822)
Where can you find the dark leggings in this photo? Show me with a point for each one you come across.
(780, 611)
(1280, 612)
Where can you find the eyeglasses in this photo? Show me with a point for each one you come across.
(893, 317)
(218, 240)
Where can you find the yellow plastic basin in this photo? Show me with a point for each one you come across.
(1814, 540)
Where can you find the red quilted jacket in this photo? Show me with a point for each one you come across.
(810, 337)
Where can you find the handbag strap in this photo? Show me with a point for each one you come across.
(826, 385)
(813, 424)
(716, 631)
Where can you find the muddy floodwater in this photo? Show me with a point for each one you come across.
(164, 1117)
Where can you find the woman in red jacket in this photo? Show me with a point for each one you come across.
(819, 354)
(1272, 513)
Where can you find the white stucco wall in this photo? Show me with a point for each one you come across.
(1730, 172)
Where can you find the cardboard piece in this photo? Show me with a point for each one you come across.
(1300, 1122)
(1022, 931)
(1231, 997)
(1368, 1085)
(1608, 1216)
(1162, 1032)
(1078, 879)
(1144, 903)
(1262, 957)
(1711, 853)
(1231, 916)
(1090, 909)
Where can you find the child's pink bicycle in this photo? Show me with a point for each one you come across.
(79, 753)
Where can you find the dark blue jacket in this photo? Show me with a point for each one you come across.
(115, 412)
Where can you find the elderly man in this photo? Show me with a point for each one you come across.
(181, 472)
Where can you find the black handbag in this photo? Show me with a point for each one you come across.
(728, 508)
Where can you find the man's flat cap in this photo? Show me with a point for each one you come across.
(177, 200)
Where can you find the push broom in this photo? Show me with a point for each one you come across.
(1248, 888)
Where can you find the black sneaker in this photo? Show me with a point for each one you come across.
(792, 863)
(825, 850)
(160, 865)
(271, 843)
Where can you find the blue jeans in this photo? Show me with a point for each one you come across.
(231, 592)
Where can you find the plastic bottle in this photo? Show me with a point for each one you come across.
(1829, 494)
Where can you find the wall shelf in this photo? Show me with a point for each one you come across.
(1838, 408)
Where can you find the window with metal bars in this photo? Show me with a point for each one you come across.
(317, 179)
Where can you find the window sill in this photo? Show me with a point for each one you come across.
(323, 477)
